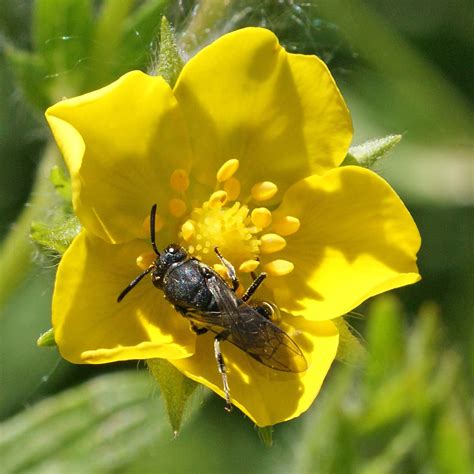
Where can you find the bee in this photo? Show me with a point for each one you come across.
(202, 296)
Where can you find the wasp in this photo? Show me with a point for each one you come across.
(202, 296)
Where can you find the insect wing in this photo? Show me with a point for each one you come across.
(254, 334)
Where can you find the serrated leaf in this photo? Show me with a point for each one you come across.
(170, 62)
(99, 426)
(175, 388)
(370, 152)
(57, 236)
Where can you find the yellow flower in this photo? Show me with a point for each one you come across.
(242, 154)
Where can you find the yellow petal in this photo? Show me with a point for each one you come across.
(267, 396)
(91, 327)
(356, 240)
(279, 114)
(121, 145)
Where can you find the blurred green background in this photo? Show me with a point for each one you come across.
(403, 68)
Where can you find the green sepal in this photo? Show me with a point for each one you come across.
(169, 63)
(370, 152)
(58, 236)
(266, 435)
(175, 388)
(46, 339)
(350, 349)
(61, 183)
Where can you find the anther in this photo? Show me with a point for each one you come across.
(179, 180)
(220, 269)
(144, 260)
(227, 170)
(270, 243)
(279, 267)
(249, 266)
(217, 199)
(287, 225)
(264, 191)
(177, 207)
(261, 217)
(187, 230)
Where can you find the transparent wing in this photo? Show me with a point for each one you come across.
(253, 333)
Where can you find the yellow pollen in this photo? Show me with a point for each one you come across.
(177, 207)
(158, 224)
(261, 217)
(228, 228)
(227, 170)
(217, 199)
(271, 243)
(287, 225)
(279, 267)
(232, 188)
(144, 260)
(188, 230)
(179, 180)
(264, 191)
(249, 266)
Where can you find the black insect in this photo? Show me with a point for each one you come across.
(202, 296)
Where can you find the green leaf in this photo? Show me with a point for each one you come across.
(46, 339)
(370, 152)
(385, 338)
(29, 71)
(170, 62)
(62, 36)
(99, 426)
(175, 388)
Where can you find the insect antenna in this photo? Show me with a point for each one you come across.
(134, 282)
(152, 229)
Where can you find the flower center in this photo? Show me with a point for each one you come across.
(246, 234)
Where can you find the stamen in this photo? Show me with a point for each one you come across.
(279, 267)
(188, 230)
(144, 260)
(227, 170)
(261, 217)
(249, 266)
(264, 191)
(287, 225)
(270, 243)
(232, 188)
(179, 180)
(217, 199)
(177, 207)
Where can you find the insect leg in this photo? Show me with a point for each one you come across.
(196, 330)
(253, 287)
(222, 368)
(230, 269)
